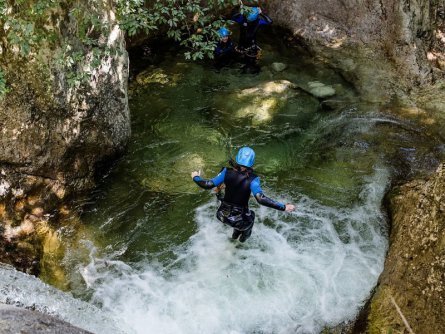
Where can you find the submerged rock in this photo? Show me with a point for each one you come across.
(156, 76)
(320, 90)
(268, 88)
(278, 67)
(260, 103)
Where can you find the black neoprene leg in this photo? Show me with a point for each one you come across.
(236, 234)
(249, 219)
(245, 235)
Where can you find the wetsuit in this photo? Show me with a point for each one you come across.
(224, 53)
(234, 208)
(247, 45)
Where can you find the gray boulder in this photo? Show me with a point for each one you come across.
(17, 320)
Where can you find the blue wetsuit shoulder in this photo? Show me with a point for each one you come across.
(218, 179)
(255, 186)
(262, 199)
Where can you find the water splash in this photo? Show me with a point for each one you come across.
(296, 274)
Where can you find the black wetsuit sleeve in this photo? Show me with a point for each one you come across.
(203, 183)
(266, 201)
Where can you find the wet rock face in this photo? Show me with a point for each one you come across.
(369, 41)
(16, 320)
(55, 135)
(414, 273)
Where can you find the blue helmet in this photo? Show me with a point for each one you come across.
(223, 32)
(254, 12)
(245, 157)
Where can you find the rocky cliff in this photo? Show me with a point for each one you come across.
(384, 47)
(59, 123)
(415, 266)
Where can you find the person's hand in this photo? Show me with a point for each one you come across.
(289, 207)
(196, 173)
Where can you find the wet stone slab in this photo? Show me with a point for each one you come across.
(16, 320)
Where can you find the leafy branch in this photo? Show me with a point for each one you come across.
(73, 30)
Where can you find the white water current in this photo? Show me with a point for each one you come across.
(297, 273)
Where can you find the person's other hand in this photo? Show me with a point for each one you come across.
(196, 173)
(289, 207)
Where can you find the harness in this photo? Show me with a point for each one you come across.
(240, 218)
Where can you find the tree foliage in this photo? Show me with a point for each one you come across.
(71, 28)
(193, 23)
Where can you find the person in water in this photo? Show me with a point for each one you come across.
(239, 181)
(225, 49)
(250, 22)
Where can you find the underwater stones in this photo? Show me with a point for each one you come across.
(278, 67)
(262, 101)
(268, 88)
(152, 76)
(261, 110)
(21, 220)
(320, 90)
(51, 242)
(156, 76)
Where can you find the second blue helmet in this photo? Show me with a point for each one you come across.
(245, 157)
(223, 32)
(254, 12)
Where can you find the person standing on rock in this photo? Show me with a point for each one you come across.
(239, 182)
(250, 22)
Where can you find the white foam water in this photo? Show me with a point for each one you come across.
(298, 273)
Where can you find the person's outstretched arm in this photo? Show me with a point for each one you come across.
(265, 19)
(266, 201)
(238, 18)
(208, 183)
